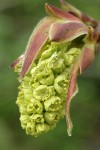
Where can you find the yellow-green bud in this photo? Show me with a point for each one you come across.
(30, 128)
(51, 117)
(43, 127)
(38, 118)
(34, 106)
(43, 90)
(53, 104)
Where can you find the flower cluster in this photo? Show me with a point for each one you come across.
(62, 46)
(42, 95)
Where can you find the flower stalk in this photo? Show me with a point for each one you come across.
(61, 47)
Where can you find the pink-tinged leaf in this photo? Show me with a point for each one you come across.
(88, 50)
(77, 13)
(71, 9)
(72, 90)
(17, 61)
(88, 20)
(87, 57)
(97, 30)
(65, 32)
(82, 63)
(56, 12)
(37, 40)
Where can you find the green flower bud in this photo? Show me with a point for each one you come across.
(47, 80)
(61, 83)
(23, 110)
(43, 92)
(30, 128)
(51, 117)
(28, 94)
(53, 104)
(48, 52)
(71, 56)
(56, 62)
(24, 120)
(34, 106)
(34, 85)
(43, 127)
(41, 70)
(38, 118)
(20, 97)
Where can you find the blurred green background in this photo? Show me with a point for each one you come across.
(17, 20)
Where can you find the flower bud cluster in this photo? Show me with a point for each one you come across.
(42, 93)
